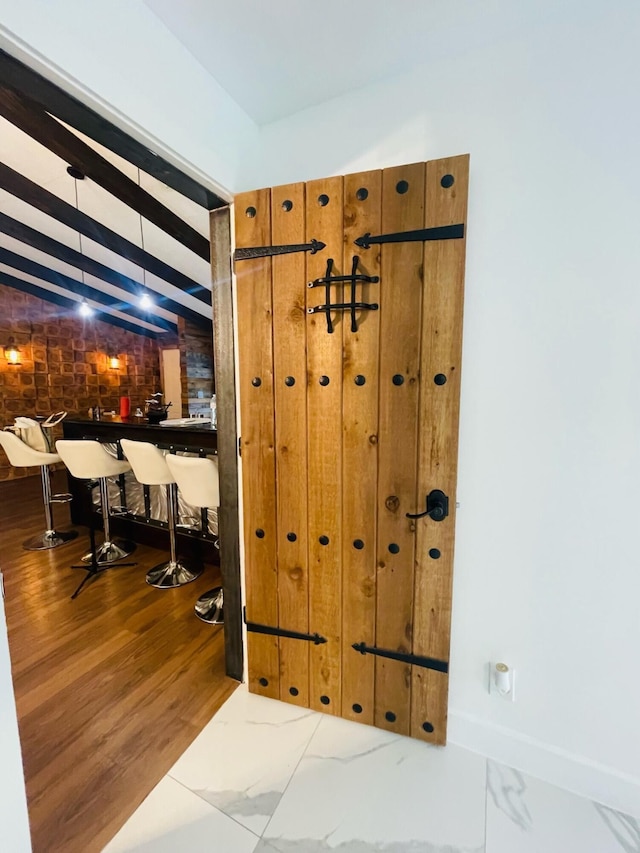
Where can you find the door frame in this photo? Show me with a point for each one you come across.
(224, 351)
(164, 367)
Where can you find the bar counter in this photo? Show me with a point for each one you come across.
(113, 428)
(201, 440)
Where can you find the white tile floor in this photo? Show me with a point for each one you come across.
(266, 777)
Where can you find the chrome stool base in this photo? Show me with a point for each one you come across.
(209, 607)
(49, 539)
(110, 552)
(171, 574)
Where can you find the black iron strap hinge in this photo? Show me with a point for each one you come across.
(276, 631)
(267, 251)
(444, 232)
(414, 660)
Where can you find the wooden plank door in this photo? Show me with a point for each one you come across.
(349, 420)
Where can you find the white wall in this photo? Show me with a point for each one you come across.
(13, 800)
(119, 58)
(547, 554)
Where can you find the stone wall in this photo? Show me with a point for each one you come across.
(64, 363)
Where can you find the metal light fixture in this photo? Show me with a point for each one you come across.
(146, 301)
(114, 362)
(12, 354)
(84, 309)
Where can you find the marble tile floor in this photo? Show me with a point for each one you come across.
(267, 777)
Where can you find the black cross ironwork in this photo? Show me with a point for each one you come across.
(352, 306)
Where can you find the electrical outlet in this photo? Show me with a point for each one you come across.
(502, 681)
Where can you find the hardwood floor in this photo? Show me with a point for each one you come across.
(110, 688)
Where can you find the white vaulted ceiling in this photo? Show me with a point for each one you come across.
(273, 59)
(117, 281)
(276, 57)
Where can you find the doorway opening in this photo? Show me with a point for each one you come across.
(80, 748)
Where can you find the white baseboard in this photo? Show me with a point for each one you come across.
(558, 767)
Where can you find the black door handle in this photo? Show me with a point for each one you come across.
(437, 507)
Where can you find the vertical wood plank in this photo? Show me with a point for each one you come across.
(324, 414)
(253, 228)
(446, 204)
(290, 393)
(401, 295)
(362, 214)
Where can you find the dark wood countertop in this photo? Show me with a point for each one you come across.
(112, 428)
(136, 423)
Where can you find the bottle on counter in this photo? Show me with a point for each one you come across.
(125, 407)
(214, 412)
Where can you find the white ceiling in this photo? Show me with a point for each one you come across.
(34, 161)
(276, 57)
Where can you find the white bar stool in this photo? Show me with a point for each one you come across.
(150, 468)
(199, 482)
(88, 460)
(20, 455)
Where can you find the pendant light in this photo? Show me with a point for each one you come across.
(145, 301)
(84, 309)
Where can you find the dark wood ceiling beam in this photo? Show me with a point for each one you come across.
(26, 265)
(33, 120)
(25, 234)
(71, 304)
(56, 101)
(29, 192)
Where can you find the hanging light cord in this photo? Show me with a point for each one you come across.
(145, 300)
(75, 188)
(85, 309)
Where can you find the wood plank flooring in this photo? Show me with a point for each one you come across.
(110, 688)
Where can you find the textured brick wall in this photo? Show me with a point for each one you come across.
(64, 363)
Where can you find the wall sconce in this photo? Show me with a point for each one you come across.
(114, 362)
(12, 354)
